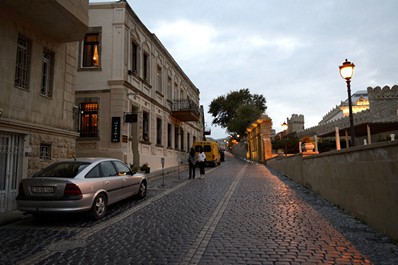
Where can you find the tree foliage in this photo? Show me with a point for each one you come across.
(236, 110)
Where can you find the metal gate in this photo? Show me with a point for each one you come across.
(11, 154)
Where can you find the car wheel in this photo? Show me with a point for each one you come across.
(98, 209)
(142, 191)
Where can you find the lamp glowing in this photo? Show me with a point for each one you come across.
(284, 126)
(347, 70)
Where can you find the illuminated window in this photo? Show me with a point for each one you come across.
(23, 63)
(47, 74)
(89, 120)
(91, 53)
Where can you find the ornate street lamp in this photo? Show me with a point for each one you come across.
(346, 72)
(284, 126)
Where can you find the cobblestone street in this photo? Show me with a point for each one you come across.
(240, 213)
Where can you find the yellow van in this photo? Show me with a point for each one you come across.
(211, 150)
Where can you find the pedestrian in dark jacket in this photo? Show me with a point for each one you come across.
(192, 163)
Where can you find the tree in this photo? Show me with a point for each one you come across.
(237, 110)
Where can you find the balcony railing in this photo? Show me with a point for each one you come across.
(185, 110)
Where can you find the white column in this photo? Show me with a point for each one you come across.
(337, 139)
(369, 134)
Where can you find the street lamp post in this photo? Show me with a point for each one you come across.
(285, 127)
(346, 72)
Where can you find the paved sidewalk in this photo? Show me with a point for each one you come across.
(240, 213)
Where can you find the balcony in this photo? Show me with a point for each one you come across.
(185, 110)
(63, 20)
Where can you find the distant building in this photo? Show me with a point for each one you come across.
(360, 103)
(295, 123)
(135, 102)
(259, 147)
(37, 73)
(375, 117)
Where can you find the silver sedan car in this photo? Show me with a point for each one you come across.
(85, 184)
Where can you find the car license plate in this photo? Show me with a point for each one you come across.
(43, 189)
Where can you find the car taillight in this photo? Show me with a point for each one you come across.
(72, 189)
(21, 191)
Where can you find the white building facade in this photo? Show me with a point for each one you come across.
(134, 101)
(37, 71)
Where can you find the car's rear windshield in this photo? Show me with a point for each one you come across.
(67, 169)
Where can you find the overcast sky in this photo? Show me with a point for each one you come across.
(288, 51)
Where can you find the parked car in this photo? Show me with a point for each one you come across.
(78, 185)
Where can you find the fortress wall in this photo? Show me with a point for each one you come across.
(383, 101)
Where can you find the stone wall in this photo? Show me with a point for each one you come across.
(62, 146)
(363, 180)
(383, 101)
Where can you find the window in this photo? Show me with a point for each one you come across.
(121, 168)
(182, 139)
(169, 88)
(134, 58)
(45, 151)
(23, 62)
(145, 126)
(89, 120)
(94, 173)
(169, 135)
(176, 132)
(47, 74)
(159, 79)
(175, 91)
(107, 169)
(146, 67)
(65, 169)
(188, 141)
(91, 53)
(158, 131)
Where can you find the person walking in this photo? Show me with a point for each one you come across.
(192, 163)
(201, 161)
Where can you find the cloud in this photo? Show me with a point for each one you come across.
(186, 39)
(289, 51)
